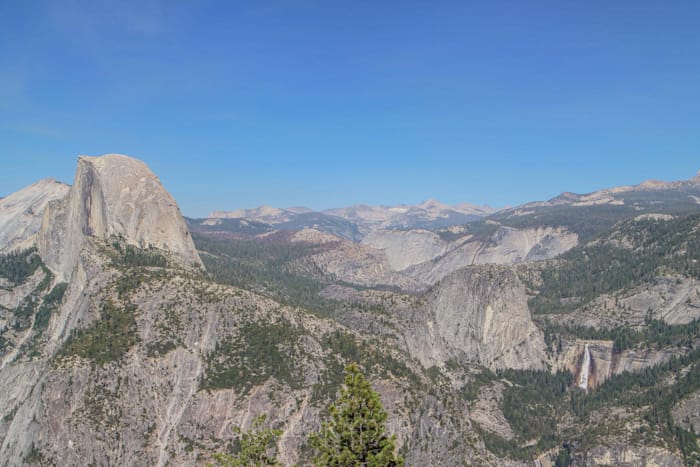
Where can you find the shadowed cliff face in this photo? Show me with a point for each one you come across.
(113, 195)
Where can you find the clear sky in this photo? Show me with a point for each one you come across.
(329, 103)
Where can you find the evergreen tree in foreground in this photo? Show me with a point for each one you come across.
(355, 434)
(256, 447)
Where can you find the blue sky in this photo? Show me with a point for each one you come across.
(331, 103)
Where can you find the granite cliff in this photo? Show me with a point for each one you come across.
(113, 196)
(118, 348)
(21, 213)
(477, 315)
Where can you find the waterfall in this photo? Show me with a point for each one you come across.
(585, 367)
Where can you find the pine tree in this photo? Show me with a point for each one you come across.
(255, 447)
(355, 435)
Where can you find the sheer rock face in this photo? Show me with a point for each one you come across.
(624, 455)
(686, 413)
(150, 408)
(404, 248)
(478, 315)
(21, 213)
(506, 246)
(113, 195)
(605, 361)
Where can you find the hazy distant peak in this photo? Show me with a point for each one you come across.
(613, 196)
(262, 213)
(298, 209)
(432, 203)
(476, 207)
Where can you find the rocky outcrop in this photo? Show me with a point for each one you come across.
(154, 365)
(429, 214)
(152, 406)
(686, 413)
(338, 259)
(604, 360)
(477, 315)
(349, 262)
(506, 246)
(22, 213)
(674, 299)
(404, 248)
(11, 295)
(614, 196)
(487, 413)
(623, 455)
(113, 195)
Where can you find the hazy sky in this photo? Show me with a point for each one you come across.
(329, 103)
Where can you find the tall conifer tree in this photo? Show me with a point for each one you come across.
(355, 434)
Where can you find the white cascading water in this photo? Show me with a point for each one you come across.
(585, 367)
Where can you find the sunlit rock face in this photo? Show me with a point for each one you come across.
(480, 315)
(22, 212)
(505, 246)
(113, 195)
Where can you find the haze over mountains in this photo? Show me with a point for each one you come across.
(430, 240)
(356, 221)
(431, 214)
(565, 329)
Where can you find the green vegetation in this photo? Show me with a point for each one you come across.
(18, 266)
(345, 348)
(656, 333)
(563, 459)
(586, 272)
(101, 405)
(240, 227)
(355, 433)
(648, 391)
(266, 268)
(256, 447)
(24, 312)
(130, 256)
(586, 221)
(537, 402)
(531, 404)
(504, 447)
(258, 352)
(44, 308)
(480, 230)
(169, 331)
(161, 347)
(105, 340)
(36, 457)
(479, 378)
(50, 303)
(28, 307)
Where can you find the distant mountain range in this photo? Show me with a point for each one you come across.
(602, 209)
(361, 219)
(562, 332)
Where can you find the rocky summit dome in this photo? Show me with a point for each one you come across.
(113, 195)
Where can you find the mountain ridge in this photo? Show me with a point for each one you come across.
(113, 343)
(113, 196)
